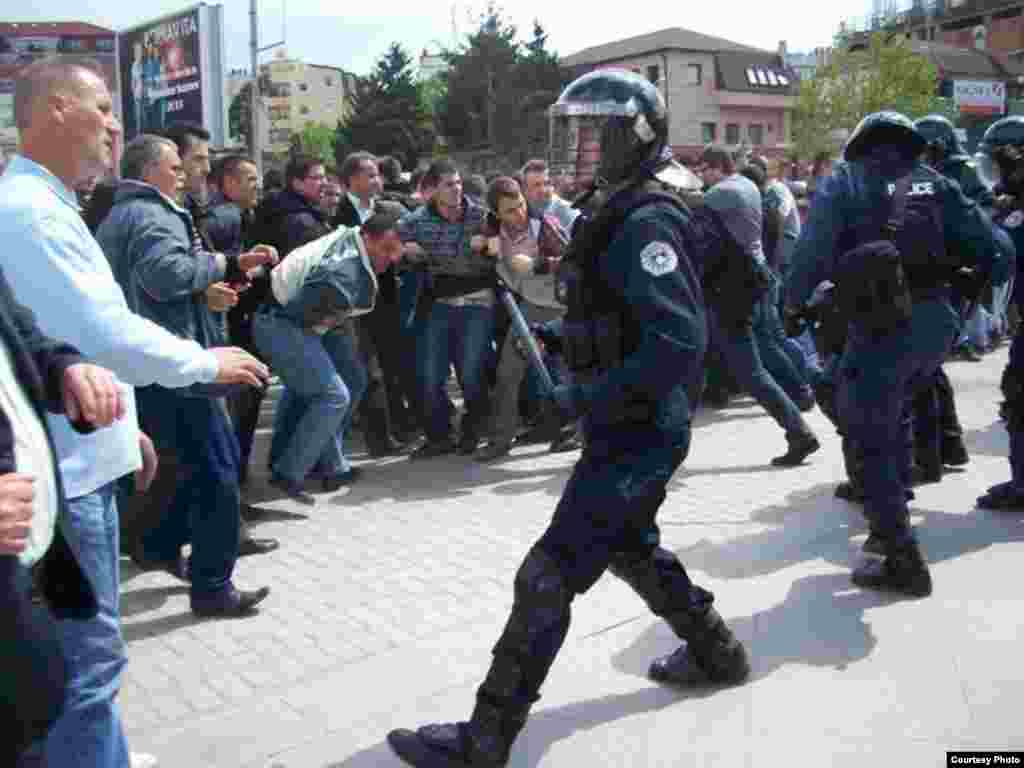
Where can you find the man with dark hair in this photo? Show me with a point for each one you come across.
(535, 180)
(529, 248)
(457, 314)
(293, 217)
(316, 290)
(736, 203)
(391, 175)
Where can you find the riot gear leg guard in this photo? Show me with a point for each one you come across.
(712, 654)
(523, 655)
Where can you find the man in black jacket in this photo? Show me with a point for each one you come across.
(39, 374)
(292, 217)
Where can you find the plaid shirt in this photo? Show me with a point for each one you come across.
(448, 255)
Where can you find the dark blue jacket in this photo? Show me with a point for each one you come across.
(853, 195)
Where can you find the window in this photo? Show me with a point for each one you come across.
(693, 73)
(708, 133)
(328, 81)
(755, 132)
(732, 133)
(653, 73)
(303, 87)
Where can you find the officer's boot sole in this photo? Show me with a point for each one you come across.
(410, 747)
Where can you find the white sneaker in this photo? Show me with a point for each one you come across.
(142, 760)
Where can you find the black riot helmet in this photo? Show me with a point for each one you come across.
(608, 126)
(940, 135)
(889, 130)
(1000, 153)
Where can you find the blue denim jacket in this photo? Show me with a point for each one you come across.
(148, 240)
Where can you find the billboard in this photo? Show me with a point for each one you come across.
(980, 97)
(172, 69)
(23, 43)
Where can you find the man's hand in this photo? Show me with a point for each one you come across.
(144, 476)
(16, 495)
(220, 297)
(236, 366)
(91, 395)
(257, 257)
(413, 251)
(494, 247)
(477, 243)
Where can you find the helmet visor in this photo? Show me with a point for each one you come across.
(575, 146)
(988, 169)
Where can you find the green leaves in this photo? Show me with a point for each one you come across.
(885, 75)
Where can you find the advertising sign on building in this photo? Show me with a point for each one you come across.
(980, 97)
(172, 69)
(25, 42)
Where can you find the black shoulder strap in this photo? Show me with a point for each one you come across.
(898, 210)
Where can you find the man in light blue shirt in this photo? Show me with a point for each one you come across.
(67, 128)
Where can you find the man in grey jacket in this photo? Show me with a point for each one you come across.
(149, 240)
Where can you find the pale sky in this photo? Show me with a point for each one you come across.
(354, 35)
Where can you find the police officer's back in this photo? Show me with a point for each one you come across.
(890, 232)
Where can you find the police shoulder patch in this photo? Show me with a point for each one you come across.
(1014, 220)
(658, 258)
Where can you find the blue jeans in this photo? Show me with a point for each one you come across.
(89, 733)
(204, 509)
(317, 402)
(459, 335)
(772, 345)
(739, 352)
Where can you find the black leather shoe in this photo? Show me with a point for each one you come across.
(253, 546)
(430, 449)
(293, 490)
(873, 545)
(800, 447)
(331, 483)
(232, 603)
(178, 567)
(1002, 496)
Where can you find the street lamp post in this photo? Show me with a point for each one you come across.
(255, 97)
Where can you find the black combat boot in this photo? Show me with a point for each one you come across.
(711, 656)
(801, 445)
(523, 655)
(902, 570)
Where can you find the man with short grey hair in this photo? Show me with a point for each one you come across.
(67, 126)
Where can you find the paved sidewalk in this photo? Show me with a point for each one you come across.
(387, 598)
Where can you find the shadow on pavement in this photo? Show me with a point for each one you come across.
(814, 525)
(546, 727)
(143, 629)
(149, 599)
(989, 441)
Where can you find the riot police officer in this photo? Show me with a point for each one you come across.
(1001, 162)
(634, 335)
(936, 444)
(889, 231)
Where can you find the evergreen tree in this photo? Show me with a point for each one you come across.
(387, 116)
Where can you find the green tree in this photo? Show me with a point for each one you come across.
(240, 114)
(499, 88)
(388, 115)
(317, 139)
(885, 74)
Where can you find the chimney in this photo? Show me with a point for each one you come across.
(782, 49)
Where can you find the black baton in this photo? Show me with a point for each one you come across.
(525, 336)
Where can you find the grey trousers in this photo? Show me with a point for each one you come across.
(512, 367)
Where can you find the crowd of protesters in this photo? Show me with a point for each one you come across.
(188, 281)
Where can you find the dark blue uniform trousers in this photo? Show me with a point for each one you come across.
(204, 509)
(878, 379)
